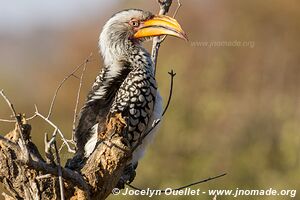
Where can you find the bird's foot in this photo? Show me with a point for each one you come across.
(128, 176)
(76, 163)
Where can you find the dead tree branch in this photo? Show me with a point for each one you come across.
(18, 165)
(59, 171)
(172, 74)
(179, 4)
(8, 120)
(89, 183)
(164, 9)
(48, 151)
(11, 106)
(186, 186)
(14, 121)
(77, 100)
(57, 130)
(18, 122)
(42, 173)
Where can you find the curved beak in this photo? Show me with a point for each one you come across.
(160, 25)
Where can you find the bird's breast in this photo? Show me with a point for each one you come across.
(135, 100)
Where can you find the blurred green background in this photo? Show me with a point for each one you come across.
(235, 109)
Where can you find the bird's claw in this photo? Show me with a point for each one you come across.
(128, 176)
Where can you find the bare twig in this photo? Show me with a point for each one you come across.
(164, 9)
(62, 83)
(186, 186)
(164, 6)
(63, 144)
(30, 118)
(162, 38)
(77, 100)
(14, 121)
(172, 74)
(11, 106)
(19, 124)
(202, 181)
(57, 130)
(177, 9)
(59, 170)
(48, 145)
(8, 120)
(48, 152)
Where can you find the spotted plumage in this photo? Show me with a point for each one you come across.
(125, 93)
(131, 101)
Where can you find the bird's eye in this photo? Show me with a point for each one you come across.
(134, 23)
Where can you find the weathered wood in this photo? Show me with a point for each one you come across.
(36, 179)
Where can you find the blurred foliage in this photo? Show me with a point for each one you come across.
(234, 109)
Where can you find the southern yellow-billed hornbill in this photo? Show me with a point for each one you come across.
(125, 88)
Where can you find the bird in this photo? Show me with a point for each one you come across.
(125, 90)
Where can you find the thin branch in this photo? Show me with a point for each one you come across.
(11, 106)
(202, 181)
(8, 120)
(56, 129)
(164, 9)
(63, 144)
(186, 186)
(14, 121)
(62, 83)
(48, 145)
(172, 74)
(179, 4)
(48, 152)
(77, 100)
(19, 124)
(59, 170)
(162, 38)
(32, 117)
(164, 6)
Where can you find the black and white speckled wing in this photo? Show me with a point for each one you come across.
(135, 101)
(89, 112)
(98, 102)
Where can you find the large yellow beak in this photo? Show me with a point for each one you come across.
(160, 25)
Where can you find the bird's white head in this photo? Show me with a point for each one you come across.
(128, 28)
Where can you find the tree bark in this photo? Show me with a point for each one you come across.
(36, 179)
